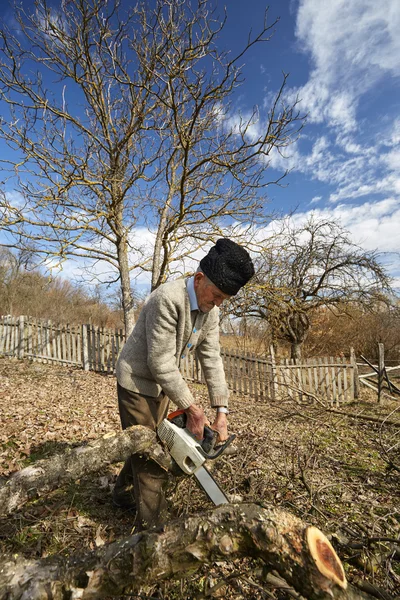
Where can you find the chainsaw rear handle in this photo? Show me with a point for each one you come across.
(206, 446)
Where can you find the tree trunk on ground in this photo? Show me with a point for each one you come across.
(302, 556)
(49, 474)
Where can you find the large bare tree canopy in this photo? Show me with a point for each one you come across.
(308, 267)
(119, 115)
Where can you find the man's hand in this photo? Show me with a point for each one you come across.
(196, 420)
(221, 425)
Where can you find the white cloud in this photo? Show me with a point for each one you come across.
(373, 225)
(15, 199)
(393, 159)
(351, 45)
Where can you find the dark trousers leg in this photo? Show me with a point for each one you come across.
(144, 477)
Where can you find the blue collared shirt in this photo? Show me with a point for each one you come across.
(192, 294)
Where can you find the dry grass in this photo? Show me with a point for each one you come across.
(333, 471)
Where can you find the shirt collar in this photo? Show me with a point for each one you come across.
(192, 294)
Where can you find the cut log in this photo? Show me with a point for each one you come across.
(325, 557)
(49, 474)
(179, 549)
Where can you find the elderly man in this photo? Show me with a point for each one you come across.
(179, 317)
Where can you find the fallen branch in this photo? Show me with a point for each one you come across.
(364, 417)
(302, 555)
(391, 386)
(49, 474)
(373, 387)
(342, 412)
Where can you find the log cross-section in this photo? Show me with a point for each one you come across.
(325, 557)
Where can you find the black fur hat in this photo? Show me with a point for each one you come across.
(228, 266)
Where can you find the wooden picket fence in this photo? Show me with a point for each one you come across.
(91, 348)
(332, 379)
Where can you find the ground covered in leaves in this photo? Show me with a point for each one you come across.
(337, 470)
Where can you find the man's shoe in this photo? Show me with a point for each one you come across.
(124, 500)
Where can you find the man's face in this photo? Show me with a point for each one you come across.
(207, 294)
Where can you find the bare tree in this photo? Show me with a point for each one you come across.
(75, 118)
(308, 267)
(214, 162)
(121, 117)
(14, 273)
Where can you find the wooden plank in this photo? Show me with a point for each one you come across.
(59, 352)
(356, 381)
(339, 383)
(257, 378)
(333, 381)
(101, 349)
(325, 379)
(346, 380)
(310, 378)
(244, 363)
(68, 342)
(6, 334)
(274, 374)
(40, 340)
(85, 347)
(5, 338)
(264, 380)
(31, 333)
(53, 341)
(253, 376)
(113, 352)
(107, 350)
(48, 339)
(2, 336)
(63, 344)
(315, 379)
(28, 335)
(381, 369)
(45, 358)
(21, 337)
(352, 381)
(13, 336)
(74, 338)
(93, 349)
(233, 363)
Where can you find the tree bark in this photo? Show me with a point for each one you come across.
(49, 474)
(178, 550)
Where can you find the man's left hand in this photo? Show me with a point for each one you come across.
(221, 425)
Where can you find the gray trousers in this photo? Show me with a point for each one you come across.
(139, 475)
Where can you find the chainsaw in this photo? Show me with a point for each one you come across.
(190, 454)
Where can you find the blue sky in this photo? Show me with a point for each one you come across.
(344, 64)
(343, 60)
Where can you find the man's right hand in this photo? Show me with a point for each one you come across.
(196, 420)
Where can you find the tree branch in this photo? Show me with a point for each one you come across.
(178, 549)
(49, 474)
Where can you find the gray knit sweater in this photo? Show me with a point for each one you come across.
(149, 361)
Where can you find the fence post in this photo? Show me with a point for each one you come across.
(355, 373)
(21, 336)
(274, 386)
(85, 348)
(381, 368)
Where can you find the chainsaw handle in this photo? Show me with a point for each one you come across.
(220, 449)
(210, 436)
